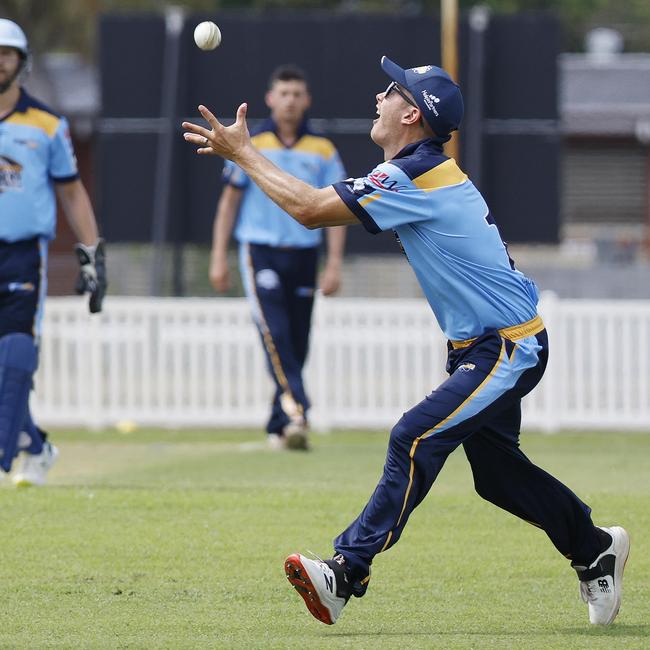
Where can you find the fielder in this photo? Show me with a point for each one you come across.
(278, 256)
(497, 346)
(37, 166)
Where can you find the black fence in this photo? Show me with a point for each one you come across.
(510, 142)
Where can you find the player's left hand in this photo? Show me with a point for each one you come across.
(229, 142)
(92, 274)
(330, 280)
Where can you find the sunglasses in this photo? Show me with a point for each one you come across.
(393, 86)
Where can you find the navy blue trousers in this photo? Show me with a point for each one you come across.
(478, 406)
(280, 285)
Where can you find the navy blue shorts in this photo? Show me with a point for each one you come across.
(21, 280)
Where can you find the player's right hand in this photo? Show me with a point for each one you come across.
(92, 274)
(220, 275)
(226, 141)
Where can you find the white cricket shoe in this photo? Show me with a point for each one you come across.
(601, 583)
(33, 468)
(324, 585)
(275, 441)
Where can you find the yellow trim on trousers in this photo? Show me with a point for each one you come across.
(431, 431)
(269, 344)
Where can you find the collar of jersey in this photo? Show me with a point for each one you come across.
(269, 125)
(21, 105)
(434, 144)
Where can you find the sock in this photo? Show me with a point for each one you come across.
(605, 539)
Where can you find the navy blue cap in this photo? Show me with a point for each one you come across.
(434, 91)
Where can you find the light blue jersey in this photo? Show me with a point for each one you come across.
(449, 238)
(312, 158)
(35, 152)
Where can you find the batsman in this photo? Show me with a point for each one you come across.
(497, 342)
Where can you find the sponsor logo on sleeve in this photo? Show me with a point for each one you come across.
(383, 181)
(68, 139)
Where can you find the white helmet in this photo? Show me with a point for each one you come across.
(12, 36)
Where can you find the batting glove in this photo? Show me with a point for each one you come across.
(92, 274)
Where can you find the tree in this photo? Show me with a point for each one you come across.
(70, 26)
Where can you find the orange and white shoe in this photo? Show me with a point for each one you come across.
(324, 585)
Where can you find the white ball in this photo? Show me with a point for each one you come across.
(207, 35)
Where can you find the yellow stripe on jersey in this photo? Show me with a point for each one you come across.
(307, 144)
(315, 144)
(444, 175)
(369, 199)
(266, 140)
(37, 118)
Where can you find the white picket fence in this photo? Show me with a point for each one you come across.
(198, 362)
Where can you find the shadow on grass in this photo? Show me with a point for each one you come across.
(636, 631)
(618, 629)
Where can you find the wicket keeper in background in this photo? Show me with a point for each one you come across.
(37, 166)
(279, 256)
(497, 349)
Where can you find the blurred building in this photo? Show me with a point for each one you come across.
(605, 108)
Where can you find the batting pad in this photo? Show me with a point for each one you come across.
(18, 361)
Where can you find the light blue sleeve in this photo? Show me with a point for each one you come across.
(385, 199)
(62, 162)
(234, 175)
(333, 170)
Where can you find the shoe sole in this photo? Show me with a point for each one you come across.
(25, 483)
(619, 567)
(300, 581)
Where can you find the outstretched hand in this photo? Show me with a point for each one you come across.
(226, 141)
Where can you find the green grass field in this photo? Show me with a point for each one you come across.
(177, 540)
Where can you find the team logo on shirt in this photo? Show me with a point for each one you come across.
(11, 175)
(30, 144)
(381, 179)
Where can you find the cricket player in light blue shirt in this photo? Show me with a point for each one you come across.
(498, 347)
(37, 166)
(278, 255)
